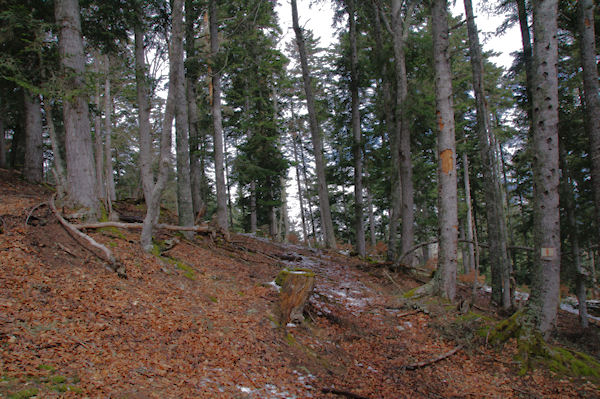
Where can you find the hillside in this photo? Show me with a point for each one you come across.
(199, 321)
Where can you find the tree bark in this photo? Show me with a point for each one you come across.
(59, 165)
(326, 223)
(359, 224)
(469, 223)
(81, 176)
(527, 52)
(34, 155)
(98, 142)
(591, 90)
(143, 103)
(217, 120)
(2, 142)
(543, 301)
(496, 221)
(300, 196)
(184, 191)
(108, 108)
(447, 190)
(253, 217)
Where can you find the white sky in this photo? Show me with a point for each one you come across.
(319, 19)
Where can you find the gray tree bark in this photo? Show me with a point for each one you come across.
(217, 120)
(326, 223)
(2, 139)
(359, 224)
(59, 165)
(591, 90)
(143, 103)
(108, 108)
(445, 282)
(184, 188)
(300, 196)
(543, 301)
(81, 175)
(496, 220)
(34, 154)
(98, 142)
(470, 265)
(253, 218)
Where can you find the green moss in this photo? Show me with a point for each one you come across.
(189, 272)
(113, 231)
(23, 394)
(284, 273)
(58, 379)
(213, 299)
(410, 293)
(46, 367)
(290, 339)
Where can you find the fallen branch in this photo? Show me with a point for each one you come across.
(393, 281)
(32, 210)
(343, 393)
(409, 313)
(419, 365)
(113, 264)
(100, 225)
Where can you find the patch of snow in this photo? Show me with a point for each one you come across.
(274, 285)
(290, 325)
(244, 389)
(372, 369)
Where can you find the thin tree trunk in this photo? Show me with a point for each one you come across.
(372, 236)
(447, 191)
(527, 52)
(300, 196)
(108, 107)
(543, 301)
(496, 221)
(253, 218)
(34, 155)
(228, 185)
(327, 224)
(81, 174)
(305, 176)
(184, 192)
(272, 220)
(217, 120)
(284, 216)
(98, 142)
(469, 223)
(356, 133)
(2, 141)
(59, 165)
(591, 89)
(143, 103)
(568, 201)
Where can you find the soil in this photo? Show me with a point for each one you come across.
(200, 321)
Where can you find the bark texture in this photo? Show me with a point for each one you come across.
(2, 144)
(143, 103)
(98, 142)
(496, 220)
(359, 224)
(543, 301)
(315, 131)
(447, 191)
(81, 175)
(34, 155)
(470, 261)
(217, 121)
(591, 89)
(108, 108)
(59, 165)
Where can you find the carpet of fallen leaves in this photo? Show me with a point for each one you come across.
(200, 322)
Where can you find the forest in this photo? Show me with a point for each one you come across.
(401, 144)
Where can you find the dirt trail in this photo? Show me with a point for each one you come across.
(198, 322)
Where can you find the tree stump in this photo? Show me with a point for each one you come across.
(296, 287)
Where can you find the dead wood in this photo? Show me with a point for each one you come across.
(100, 225)
(33, 210)
(109, 257)
(409, 313)
(343, 393)
(425, 363)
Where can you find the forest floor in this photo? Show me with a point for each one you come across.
(200, 322)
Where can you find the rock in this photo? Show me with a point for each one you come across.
(296, 287)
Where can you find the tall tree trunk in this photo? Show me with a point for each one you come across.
(192, 65)
(284, 216)
(300, 196)
(496, 221)
(108, 108)
(253, 218)
(527, 52)
(272, 220)
(469, 223)
(402, 128)
(153, 205)
(356, 133)
(81, 175)
(184, 191)
(372, 236)
(326, 223)
(447, 192)
(143, 103)
(98, 142)
(591, 90)
(59, 165)
(34, 154)
(228, 185)
(306, 188)
(567, 198)
(2, 138)
(217, 120)
(543, 301)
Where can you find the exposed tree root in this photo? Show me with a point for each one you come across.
(443, 356)
(109, 257)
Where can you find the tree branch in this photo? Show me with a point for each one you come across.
(419, 365)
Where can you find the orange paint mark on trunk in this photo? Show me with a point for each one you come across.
(447, 161)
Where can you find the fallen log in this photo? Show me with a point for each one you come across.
(110, 258)
(425, 363)
(100, 225)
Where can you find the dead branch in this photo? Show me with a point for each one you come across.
(409, 313)
(393, 281)
(343, 393)
(114, 265)
(419, 365)
(32, 210)
(67, 250)
(100, 225)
